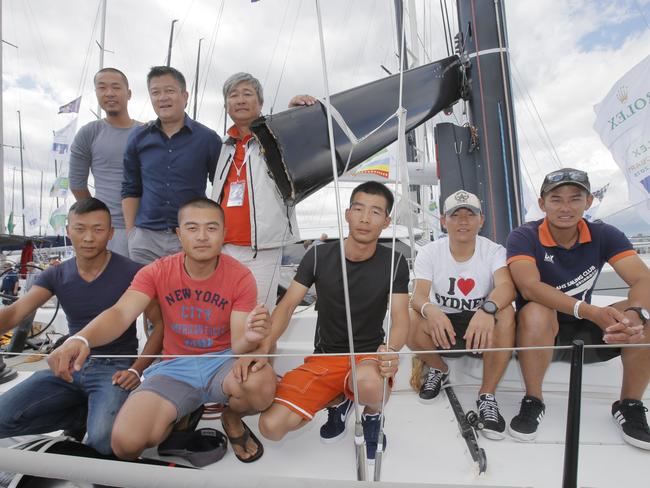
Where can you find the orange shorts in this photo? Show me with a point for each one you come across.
(313, 385)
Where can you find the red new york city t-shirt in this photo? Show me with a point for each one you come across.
(196, 313)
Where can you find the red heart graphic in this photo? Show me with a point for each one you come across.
(466, 285)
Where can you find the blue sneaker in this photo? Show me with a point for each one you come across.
(371, 426)
(334, 428)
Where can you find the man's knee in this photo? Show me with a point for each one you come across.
(258, 390)
(536, 322)
(369, 384)
(277, 421)
(417, 337)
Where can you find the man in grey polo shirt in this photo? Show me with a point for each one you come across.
(99, 147)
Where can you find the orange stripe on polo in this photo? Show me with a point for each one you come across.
(617, 257)
(584, 233)
(521, 257)
(546, 238)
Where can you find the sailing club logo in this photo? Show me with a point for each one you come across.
(549, 258)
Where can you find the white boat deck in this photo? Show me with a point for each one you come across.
(424, 443)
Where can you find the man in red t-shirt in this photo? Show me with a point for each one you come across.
(207, 300)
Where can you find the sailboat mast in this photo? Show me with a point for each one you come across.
(196, 80)
(101, 49)
(40, 208)
(22, 171)
(2, 147)
(482, 27)
(171, 38)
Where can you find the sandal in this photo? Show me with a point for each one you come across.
(241, 442)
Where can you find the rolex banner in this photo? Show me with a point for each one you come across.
(623, 123)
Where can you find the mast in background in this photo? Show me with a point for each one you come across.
(196, 81)
(171, 38)
(411, 153)
(22, 172)
(2, 147)
(101, 50)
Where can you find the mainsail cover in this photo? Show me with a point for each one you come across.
(296, 143)
(623, 123)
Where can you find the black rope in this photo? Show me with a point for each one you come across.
(15, 298)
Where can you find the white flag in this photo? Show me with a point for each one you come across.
(62, 141)
(623, 123)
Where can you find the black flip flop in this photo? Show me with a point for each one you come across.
(241, 442)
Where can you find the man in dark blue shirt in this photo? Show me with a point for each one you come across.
(167, 162)
(555, 263)
(85, 285)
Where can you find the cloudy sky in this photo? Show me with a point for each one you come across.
(566, 57)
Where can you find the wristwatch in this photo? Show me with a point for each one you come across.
(492, 308)
(643, 314)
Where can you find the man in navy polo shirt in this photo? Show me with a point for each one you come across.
(555, 263)
(167, 163)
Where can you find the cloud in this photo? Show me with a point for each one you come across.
(567, 55)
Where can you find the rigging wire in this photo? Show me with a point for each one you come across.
(286, 56)
(86, 63)
(539, 117)
(444, 27)
(211, 50)
(277, 41)
(535, 126)
(45, 67)
(358, 431)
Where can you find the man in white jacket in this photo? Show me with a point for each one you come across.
(259, 223)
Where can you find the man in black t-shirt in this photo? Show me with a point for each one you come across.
(85, 286)
(324, 380)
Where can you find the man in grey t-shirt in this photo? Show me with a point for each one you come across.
(99, 147)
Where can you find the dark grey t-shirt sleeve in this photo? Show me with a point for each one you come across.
(306, 274)
(47, 279)
(80, 159)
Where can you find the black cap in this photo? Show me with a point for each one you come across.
(565, 176)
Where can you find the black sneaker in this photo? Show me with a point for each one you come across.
(494, 424)
(334, 428)
(371, 426)
(630, 417)
(432, 384)
(523, 426)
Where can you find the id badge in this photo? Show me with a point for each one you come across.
(236, 194)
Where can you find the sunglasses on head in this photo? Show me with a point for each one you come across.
(568, 175)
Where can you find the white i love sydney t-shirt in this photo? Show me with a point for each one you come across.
(458, 287)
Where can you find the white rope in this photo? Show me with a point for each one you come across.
(401, 145)
(359, 444)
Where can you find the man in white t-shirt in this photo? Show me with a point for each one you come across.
(462, 299)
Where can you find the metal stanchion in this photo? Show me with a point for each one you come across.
(572, 443)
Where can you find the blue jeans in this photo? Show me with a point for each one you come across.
(44, 403)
